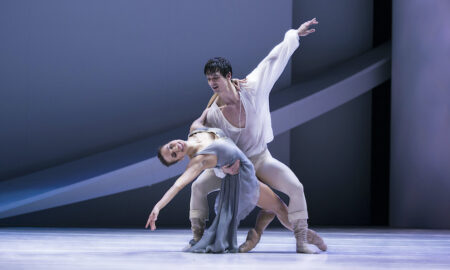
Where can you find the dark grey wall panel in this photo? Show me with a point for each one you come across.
(331, 154)
(79, 77)
(331, 157)
(420, 131)
(344, 31)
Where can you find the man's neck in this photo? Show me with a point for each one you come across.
(230, 96)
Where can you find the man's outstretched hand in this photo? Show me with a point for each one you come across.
(304, 30)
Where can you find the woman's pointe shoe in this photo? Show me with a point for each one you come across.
(252, 240)
(262, 221)
(198, 228)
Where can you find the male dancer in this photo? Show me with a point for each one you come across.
(244, 116)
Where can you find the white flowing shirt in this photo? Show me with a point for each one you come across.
(257, 133)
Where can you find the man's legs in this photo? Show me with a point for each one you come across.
(206, 183)
(279, 176)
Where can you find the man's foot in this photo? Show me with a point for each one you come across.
(315, 239)
(303, 248)
(250, 243)
(300, 232)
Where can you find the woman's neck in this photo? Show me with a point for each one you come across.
(198, 142)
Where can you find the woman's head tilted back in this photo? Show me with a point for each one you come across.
(172, 152)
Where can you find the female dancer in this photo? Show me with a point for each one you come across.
(209, 148)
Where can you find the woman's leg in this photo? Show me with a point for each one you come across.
(271, 205)
(270, 202)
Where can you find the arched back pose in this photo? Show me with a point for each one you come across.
(244, 116)
(209, 148)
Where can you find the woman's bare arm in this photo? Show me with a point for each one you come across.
(194, 168)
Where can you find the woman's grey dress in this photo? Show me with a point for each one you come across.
(237, 197)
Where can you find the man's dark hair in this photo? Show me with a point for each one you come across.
(163, 161)
(218, 64)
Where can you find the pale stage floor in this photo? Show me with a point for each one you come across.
(57, 248)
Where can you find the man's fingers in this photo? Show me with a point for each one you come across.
(235, 167)
(236, 164)
(231, 168)
(307, 32)
(313, 21)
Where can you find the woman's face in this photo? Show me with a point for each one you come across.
(174, 150)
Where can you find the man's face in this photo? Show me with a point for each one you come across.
(174, 150)
(217, 82)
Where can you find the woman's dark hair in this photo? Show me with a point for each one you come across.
(218, 64)
(163, 161)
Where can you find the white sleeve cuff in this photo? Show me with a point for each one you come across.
(219, 173)
(292, 34)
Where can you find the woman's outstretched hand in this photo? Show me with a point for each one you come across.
(152, 219)
(304, 30)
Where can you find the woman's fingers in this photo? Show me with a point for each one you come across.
(151, 221)
(153, 225)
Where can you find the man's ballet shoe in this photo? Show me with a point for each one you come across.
(300, 232)
(303, 248)
(250, 243)
(315, 239)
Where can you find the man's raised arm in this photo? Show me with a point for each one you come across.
(264, 76)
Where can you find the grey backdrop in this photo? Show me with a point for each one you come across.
(420, 132)
(81, 77)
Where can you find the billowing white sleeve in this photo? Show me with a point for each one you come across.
(264, 76)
